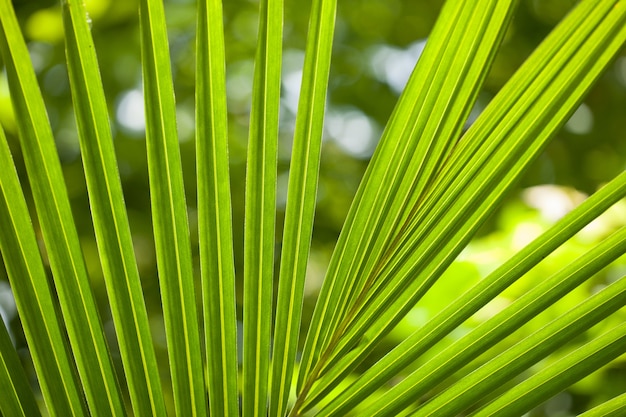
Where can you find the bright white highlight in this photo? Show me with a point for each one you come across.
(130, 112)
(394, 66)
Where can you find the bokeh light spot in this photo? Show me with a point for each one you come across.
(130, 112)
(353, 131)
(553, 202)
(45, 25)
(394, 66)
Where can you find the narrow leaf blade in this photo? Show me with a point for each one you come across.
(614, 407)
(59, 232)
(109, 216)
(259, 239)
(169, 213)
(424, 126)
(214, 211)
(558, 376)
(448, 218)
(463, 307)
(301, 197)
(523, 354)
(33, 296)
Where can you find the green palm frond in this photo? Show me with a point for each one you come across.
(427, 190)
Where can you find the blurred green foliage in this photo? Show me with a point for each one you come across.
(376, 44)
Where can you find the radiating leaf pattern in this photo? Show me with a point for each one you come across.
(469, 189)
(428, 189)
(78, 306)
(443, 78)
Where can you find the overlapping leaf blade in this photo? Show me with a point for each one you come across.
(492, 331)
(214, 211)
(470, 190)
(109, 216)
(423, 128)
(169, 214)
(466, 305)
(33, 296)
(260, 203)
(558, 376)
(17, 397)
(301, 197)
(59, 232)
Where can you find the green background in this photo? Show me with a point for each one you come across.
(376, 44)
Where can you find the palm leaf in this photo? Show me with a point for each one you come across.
(72, 284)
(260, 211)
(526, 352)
(453, 80)
(35, 303)
(109, 215)
(469, 190)
(426, 192)
(18, 398)
(301, 196)
(461, 309)
(171, 230)
(214, 211)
